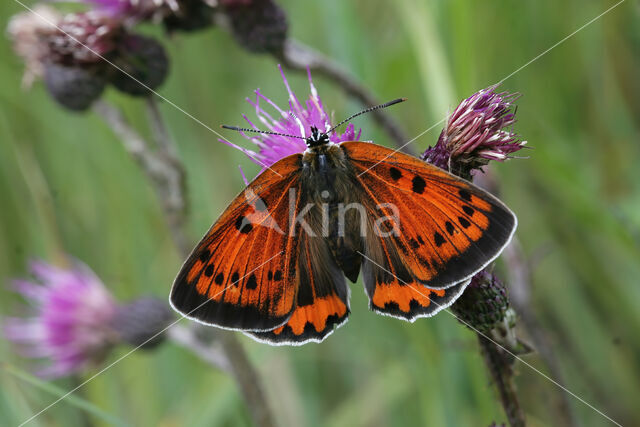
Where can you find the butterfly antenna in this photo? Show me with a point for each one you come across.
(368, 110)
(238, 129)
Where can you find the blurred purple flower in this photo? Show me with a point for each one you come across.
(297, 120)
(70, 324)
(26, 31)
(135, 8)
(83, 38)
(187, 15)
(114, 7)
(76, 39)
(476, 132)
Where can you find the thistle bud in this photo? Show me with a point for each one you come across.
(258, 25)
(192, 15)
(142, 322)
(143, 65)
(484, 303)
(73, 87)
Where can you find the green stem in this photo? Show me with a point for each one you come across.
(500, 364)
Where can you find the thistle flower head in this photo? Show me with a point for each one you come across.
(77, 39)
(477, 131)
(69, 326)
(75, 322)
(297, 120)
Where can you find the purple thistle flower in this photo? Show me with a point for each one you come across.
(135, 8)
(70, 325)
(476, 132)
(297, 120)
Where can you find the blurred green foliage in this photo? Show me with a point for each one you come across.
(67, 184)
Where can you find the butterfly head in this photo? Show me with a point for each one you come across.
(317, 138)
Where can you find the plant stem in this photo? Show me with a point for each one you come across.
(519, 273)
(210, 353)
(247, 379)
(167, 176)
(500, 364)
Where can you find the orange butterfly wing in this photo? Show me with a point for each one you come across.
(322, 302)
(448, 231)
(242, 275)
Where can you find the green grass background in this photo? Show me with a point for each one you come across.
(66, 183)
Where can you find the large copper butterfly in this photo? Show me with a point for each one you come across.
(274, 264)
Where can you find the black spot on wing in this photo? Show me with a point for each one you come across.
(439, 240)
(414, 244)
(463, 222)
(219, 279)
(450, 228)
(252, 283)
(235, 277)
(209, 270)
(468, 210)
(464, 194)
(277, 275)
(395, 173)
(204, 255)
(419, 184)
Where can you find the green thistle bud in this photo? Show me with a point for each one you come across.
(73, 87)
(484, 303)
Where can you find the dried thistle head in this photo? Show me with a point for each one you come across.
(27, 32)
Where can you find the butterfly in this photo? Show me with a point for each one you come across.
(274, 264)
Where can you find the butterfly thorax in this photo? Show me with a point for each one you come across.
(324, 173)
(327, 183)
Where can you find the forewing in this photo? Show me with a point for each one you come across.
(448, 228)
(242, 274)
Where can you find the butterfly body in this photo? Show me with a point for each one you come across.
(274, 264)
